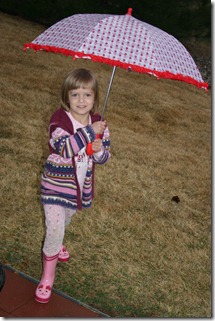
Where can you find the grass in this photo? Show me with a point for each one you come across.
(135, 253)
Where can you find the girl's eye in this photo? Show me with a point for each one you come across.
(75, 95)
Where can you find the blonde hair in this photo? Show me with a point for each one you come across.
(76, 79)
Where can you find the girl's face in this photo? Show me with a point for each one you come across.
(81, 101)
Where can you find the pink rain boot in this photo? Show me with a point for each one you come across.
(63, 254)
(44, 289)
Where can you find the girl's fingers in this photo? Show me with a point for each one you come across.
(97, 144)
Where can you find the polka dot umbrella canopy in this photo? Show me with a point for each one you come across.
(121, 41)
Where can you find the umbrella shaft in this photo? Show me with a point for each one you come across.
(107, 95)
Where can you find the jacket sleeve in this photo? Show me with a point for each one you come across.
(103, 156)
(67, 145)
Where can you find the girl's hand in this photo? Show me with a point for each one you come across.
(97, 145)
(99, 127)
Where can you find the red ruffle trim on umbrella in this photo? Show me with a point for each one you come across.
(117, 63)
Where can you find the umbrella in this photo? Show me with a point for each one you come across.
(121, 41)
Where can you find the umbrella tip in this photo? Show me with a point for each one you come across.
(129, 11)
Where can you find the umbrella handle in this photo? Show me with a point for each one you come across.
(89, 149)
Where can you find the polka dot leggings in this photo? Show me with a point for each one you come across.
(57, 218)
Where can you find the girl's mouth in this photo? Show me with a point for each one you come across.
(81, 107)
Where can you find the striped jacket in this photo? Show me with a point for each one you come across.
(59, 184)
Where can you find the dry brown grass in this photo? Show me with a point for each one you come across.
(136, 252)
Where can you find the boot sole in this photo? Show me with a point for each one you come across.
(40, 300)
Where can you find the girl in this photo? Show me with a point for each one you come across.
(68, 179)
